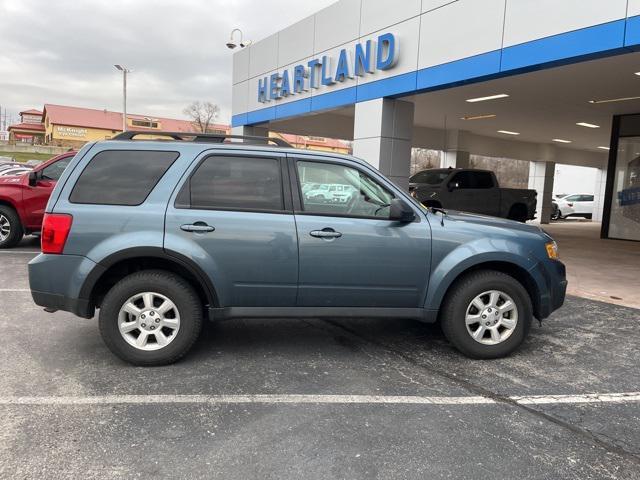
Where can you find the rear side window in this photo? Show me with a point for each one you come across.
(121, 177)
(234, 183)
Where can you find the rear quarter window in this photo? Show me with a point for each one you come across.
(121, 177)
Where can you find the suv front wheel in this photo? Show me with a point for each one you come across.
(486, 314)
(150, 318)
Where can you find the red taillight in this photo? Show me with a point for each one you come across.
(55, 230)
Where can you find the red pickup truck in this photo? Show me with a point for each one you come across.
(23, 199)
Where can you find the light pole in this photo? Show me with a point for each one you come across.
(124, 71)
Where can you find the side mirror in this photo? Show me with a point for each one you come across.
(33, 179)
(451, 186)
(401, 212)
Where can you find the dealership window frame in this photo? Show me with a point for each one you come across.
(618, 131)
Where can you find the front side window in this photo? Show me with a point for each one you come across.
(344, 191)
(573, 198)
(242, 183)
(121, 177)
(430, 177)
(54, 171)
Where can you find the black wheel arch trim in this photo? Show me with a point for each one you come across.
(150, 252)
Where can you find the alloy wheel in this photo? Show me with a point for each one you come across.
(491, 317)
(5, 228)
(149, 321)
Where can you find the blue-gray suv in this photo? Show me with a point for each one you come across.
(161, 234)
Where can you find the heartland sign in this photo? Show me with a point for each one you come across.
(365, 59)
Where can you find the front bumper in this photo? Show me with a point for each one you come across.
(56, 282)
(551, 282)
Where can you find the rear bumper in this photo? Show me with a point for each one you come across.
(53, 301)
(56, 282)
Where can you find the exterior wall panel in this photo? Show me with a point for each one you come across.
(337, 24)
(461, 29)
(241, 65)
(378, 15)
(296, 42)
(526, 20)
(263, 56)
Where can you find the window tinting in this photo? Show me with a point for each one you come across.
(54, 171)
(430, 177)
(340, 190)
(472, 180)
(243, 183)
(121, 177)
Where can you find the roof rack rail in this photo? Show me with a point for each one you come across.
(203, 137)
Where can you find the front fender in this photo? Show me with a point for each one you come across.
(469, 255)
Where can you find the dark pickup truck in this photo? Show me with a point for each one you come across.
(474, 191)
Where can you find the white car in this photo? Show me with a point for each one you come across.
(575, 205)
(334, 193)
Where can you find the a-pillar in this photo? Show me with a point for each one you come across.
(541, 176)
(382, 134)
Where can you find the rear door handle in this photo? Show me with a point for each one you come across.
(197, 227)
(325, 233)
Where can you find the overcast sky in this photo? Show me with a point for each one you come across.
(63, 51)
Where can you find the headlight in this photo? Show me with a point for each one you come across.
(552, 250)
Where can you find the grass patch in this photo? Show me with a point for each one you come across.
(24, 156)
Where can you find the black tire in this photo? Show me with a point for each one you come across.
(164, 283)
(16, 231)
(458, 300)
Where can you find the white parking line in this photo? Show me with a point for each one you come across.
(35, 252)
(601, 398)
(14, 290)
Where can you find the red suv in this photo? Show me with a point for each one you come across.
(23, 199)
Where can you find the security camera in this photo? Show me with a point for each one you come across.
(231, 44)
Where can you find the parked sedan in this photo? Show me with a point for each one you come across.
(575, 205)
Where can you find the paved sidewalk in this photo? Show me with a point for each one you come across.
(606, 270)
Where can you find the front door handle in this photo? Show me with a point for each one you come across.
(197, 227)
(325, 233)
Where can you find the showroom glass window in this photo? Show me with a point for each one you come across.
(624, 217)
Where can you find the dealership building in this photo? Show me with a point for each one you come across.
(546, 81)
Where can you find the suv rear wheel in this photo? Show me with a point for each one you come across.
(487, 314)
(11, 231)
(151, 318)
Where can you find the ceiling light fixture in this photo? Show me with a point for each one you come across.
(612, 100)
(560, 140)
(507, 132)
(588, 125)
(603, 148)
(490, 97)
(637, 73)
(478, 117)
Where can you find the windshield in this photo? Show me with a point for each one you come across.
(430, 177)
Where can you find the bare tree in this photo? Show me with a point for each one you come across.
(203, 115)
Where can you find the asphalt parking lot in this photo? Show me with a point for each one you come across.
(280, 399)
